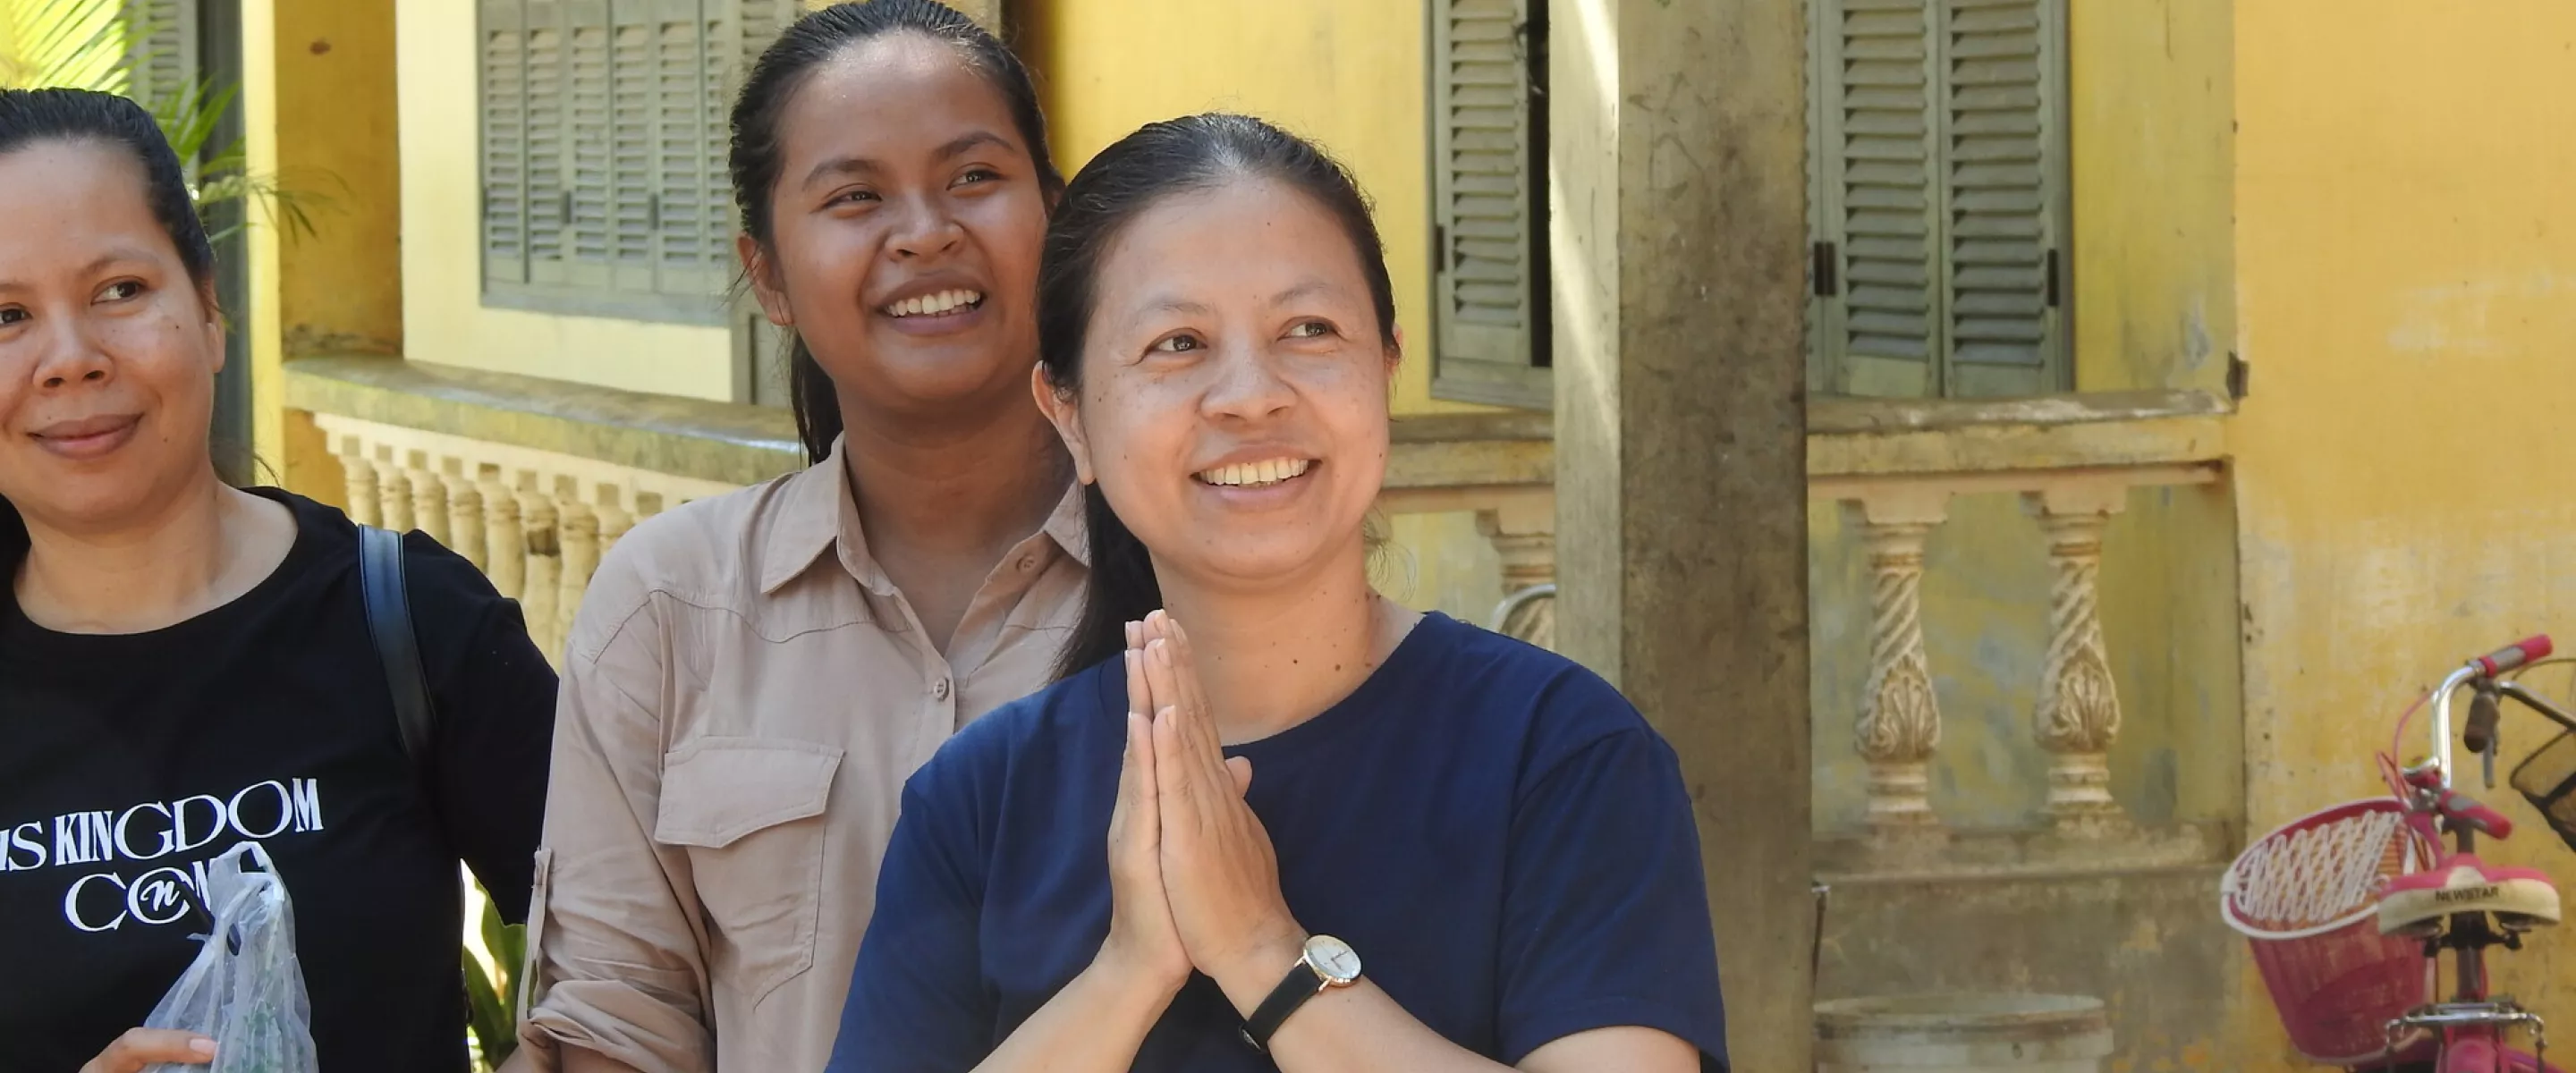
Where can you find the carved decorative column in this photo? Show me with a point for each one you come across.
(465, 515)
(1523, 532)
(577, 529)
(504, 545)
(360, 474)
(1900, 718)
(614, 521)
(428, 498)
(393, 494)
(647, 504)
(544, 562)
(2078, 717)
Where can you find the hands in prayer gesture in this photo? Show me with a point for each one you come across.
(1193, 878)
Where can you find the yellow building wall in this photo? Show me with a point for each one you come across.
(2406, 264)
(2152, 177)
(1348, 74)
(444, 319)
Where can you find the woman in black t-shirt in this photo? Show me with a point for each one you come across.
(185, 666)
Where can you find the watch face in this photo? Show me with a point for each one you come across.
(1333, 958)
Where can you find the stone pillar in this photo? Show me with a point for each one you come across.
(361, 477)
(428, 498)
(393, 495)
(1678, 241)
(543, 560)
(504, 545)
(1900, 718)
(465, 515)
(2078, 717)
(577, 533)
(1523, 532)
(614, 521)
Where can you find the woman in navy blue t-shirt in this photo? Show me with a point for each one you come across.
(1340, 835)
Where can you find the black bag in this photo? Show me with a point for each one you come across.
(389, 625)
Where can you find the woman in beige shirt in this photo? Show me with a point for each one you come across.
(752, 677)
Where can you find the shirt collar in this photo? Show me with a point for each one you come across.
(1068, 528)
(818, 512)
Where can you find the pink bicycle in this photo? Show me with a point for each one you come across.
(2351, 910)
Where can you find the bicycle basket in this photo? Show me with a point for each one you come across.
(2547, 779)
(2306, 899)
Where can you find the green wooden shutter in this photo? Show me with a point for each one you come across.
(2003, 192)
(681, 95)
(1938, 160)
(588, 163)
(760, 373)
(1878, 328)
(752, 26)
(604, 148)
(634, 83)
(549, 177)
(163, 35)
(1487, 196)
(503, 81)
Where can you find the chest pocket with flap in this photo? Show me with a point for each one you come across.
(749, 812)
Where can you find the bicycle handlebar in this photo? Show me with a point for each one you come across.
(2511, 657)
(2480, 731)
(2515, 656)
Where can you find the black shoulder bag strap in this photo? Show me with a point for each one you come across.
(389, 624)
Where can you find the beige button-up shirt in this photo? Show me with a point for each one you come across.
(744, 693)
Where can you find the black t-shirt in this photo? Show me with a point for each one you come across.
(127, 762)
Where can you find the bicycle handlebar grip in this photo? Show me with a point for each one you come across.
(2479, 733)
(2514, 656)
(2461, 808)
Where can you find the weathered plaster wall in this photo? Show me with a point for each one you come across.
(2153, 308)
(2406, 266)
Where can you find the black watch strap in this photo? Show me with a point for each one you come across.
(1302, 983)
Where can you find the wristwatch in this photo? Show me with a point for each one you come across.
(1327, 963)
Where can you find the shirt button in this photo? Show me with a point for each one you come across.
(939, 689)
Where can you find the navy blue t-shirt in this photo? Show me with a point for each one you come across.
(1495, 830)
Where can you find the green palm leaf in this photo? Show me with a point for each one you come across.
(490, 997)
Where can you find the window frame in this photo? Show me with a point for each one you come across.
(602, 297)
(1473, 367)
(1830, 373)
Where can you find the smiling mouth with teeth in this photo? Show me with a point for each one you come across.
(932, 305)
(1256, 474)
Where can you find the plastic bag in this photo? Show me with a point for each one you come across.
(245, 990)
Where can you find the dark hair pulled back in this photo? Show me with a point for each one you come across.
(31, 117)
(759, 147)
(1161, 160)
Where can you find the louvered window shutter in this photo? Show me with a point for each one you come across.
(548, 152)
(1487, 200)
(1939, 154)
(634, 85)
(604, 145)
(505, 141)
(760, 372)
(752, 26)
(1879, 329)
(2004, 149)
(588, 162)
(164, 45)
(684, 91)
